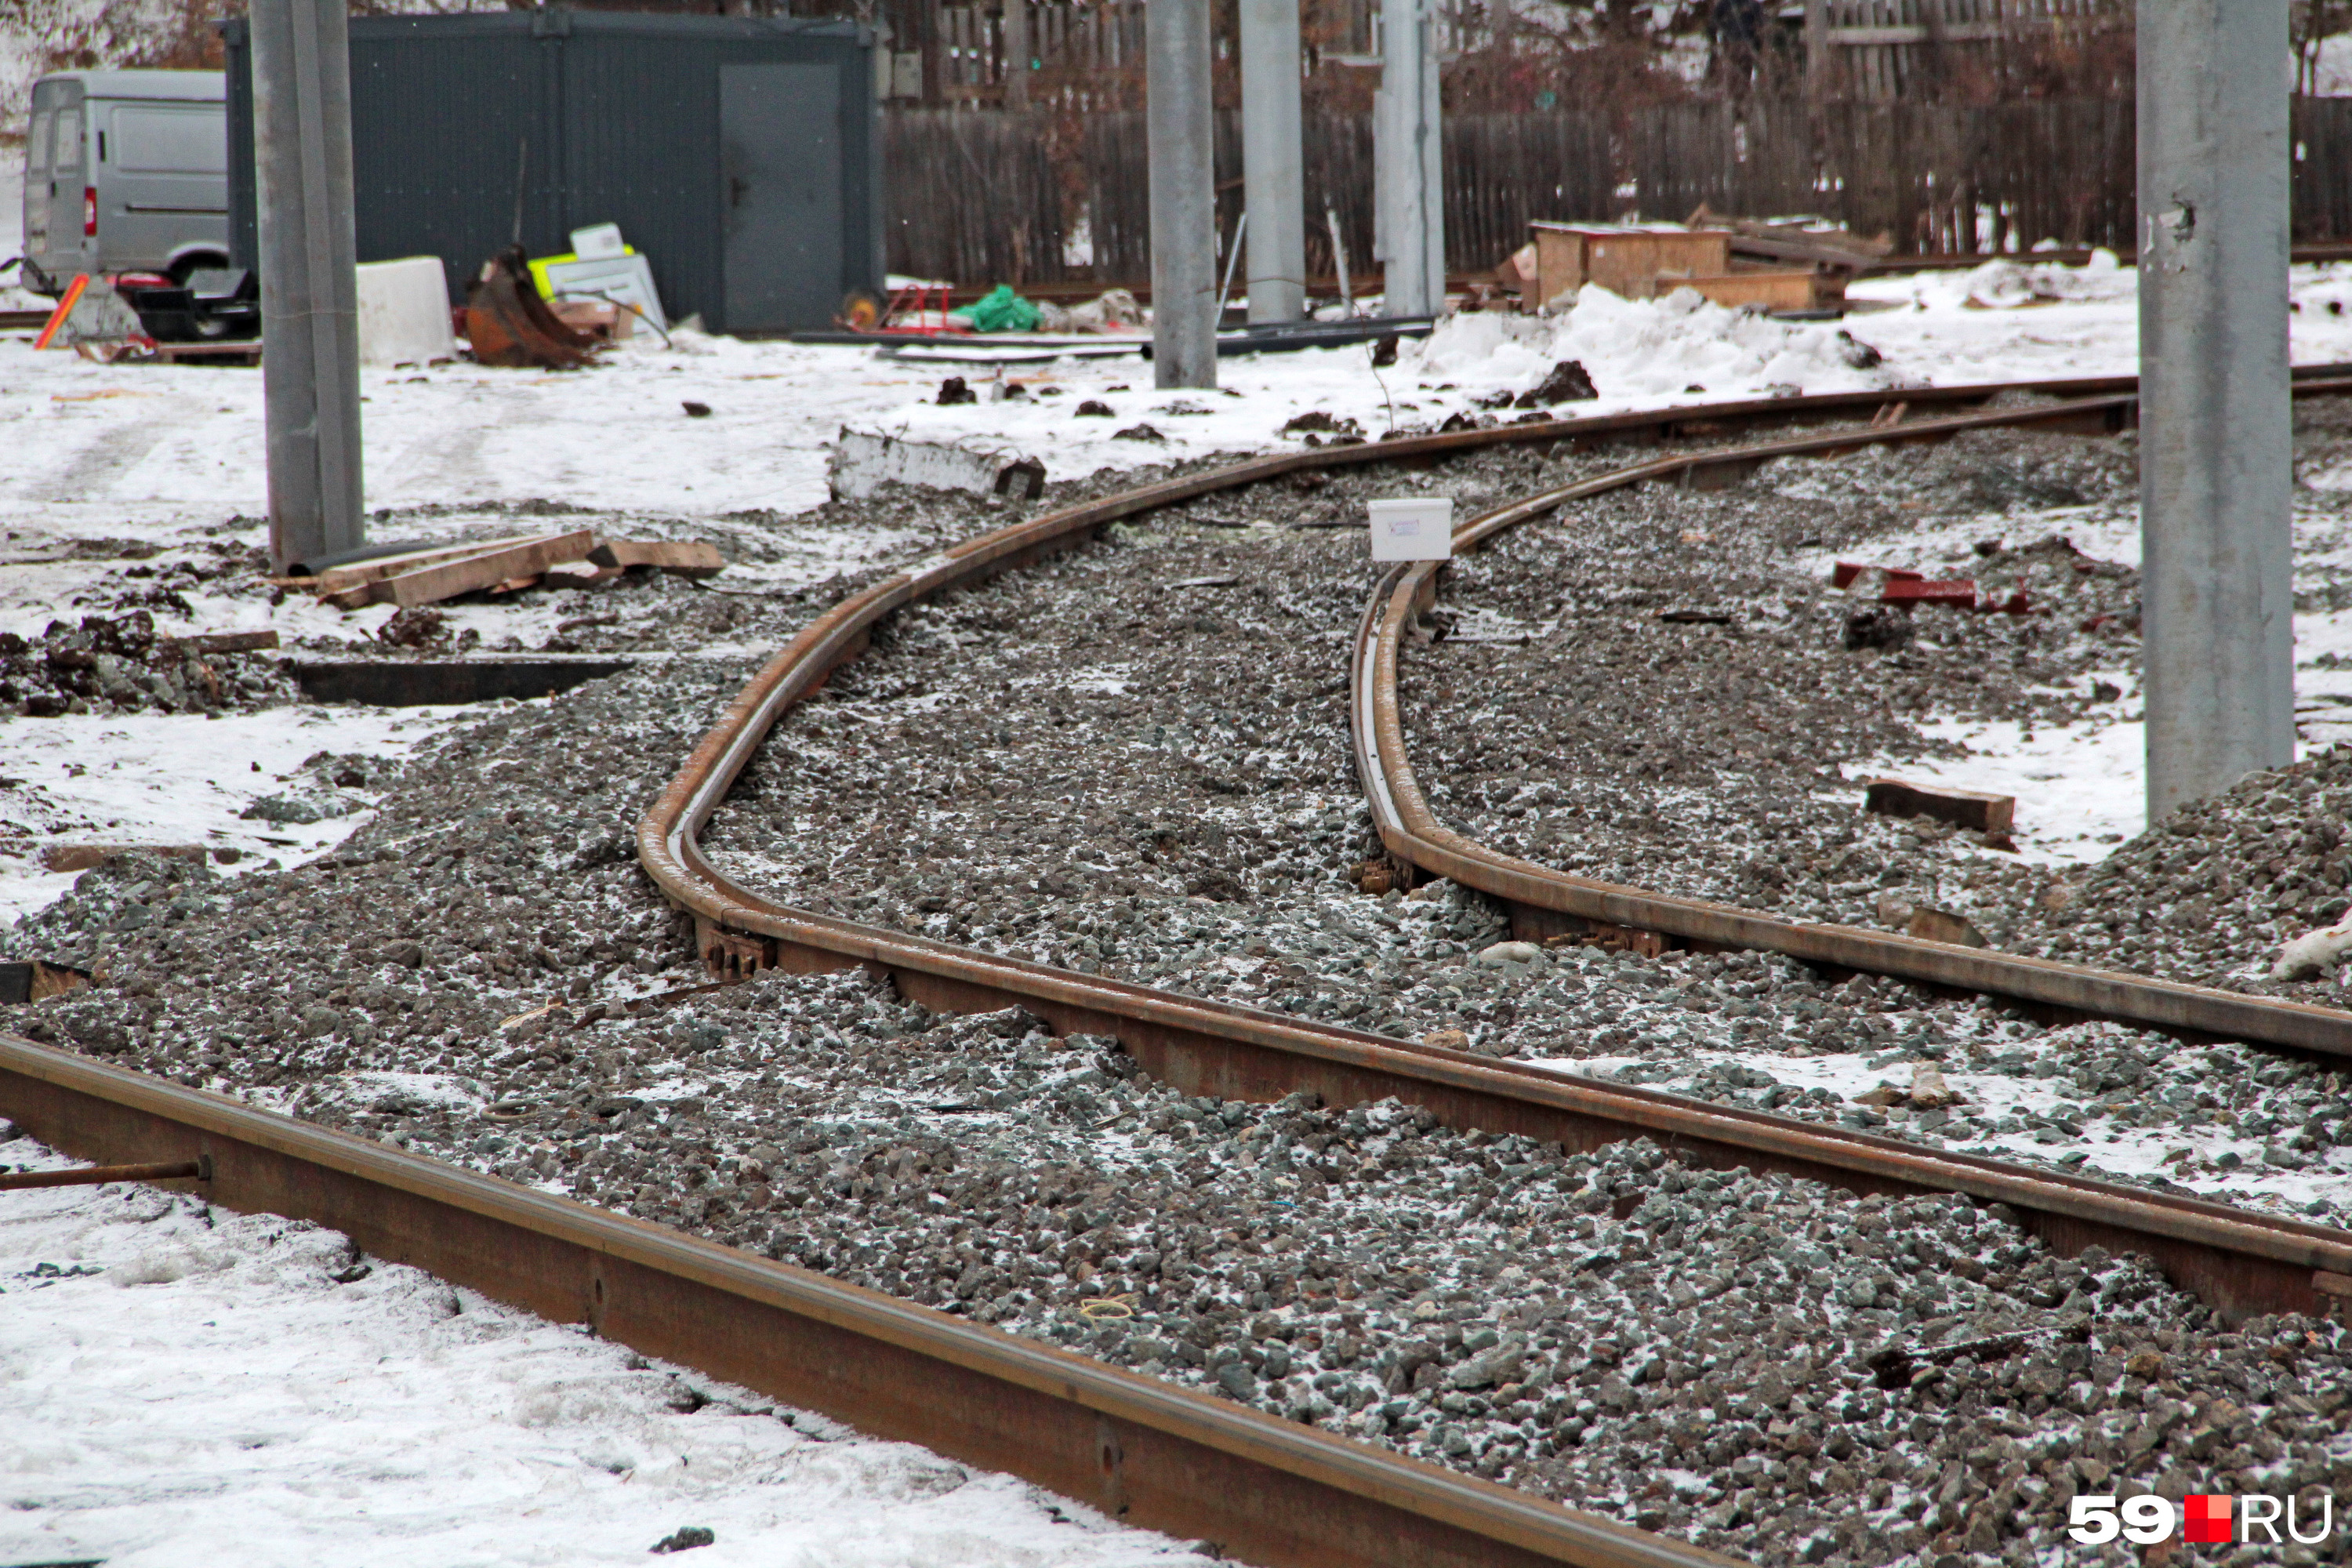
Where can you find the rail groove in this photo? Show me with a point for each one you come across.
(1264, 1489)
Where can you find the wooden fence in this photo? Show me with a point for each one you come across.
(1047, 198)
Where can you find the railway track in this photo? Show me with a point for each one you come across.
(1265, 1489)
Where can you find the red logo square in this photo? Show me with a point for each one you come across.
(2205, 1517)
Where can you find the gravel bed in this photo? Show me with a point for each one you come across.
(1156, 785)
(1559, 715)
(1132, 758)
(116, 664)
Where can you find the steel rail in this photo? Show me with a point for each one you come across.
(1138, 1448)
(2240, 1262)
(1545, 901)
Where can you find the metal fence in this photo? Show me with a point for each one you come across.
(1048, 197)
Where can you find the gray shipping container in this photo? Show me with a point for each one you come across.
(742, 156)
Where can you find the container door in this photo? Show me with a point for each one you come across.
(780, 194)
(70, 175)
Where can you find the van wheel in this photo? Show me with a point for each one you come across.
(187, 267)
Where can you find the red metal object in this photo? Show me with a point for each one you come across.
(1843, 575)
(911, 304)
(1959, 591)
(508, 324)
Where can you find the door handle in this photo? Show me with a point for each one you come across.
(735, 188)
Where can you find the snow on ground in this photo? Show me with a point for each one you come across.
(173, 457)
(187, 1386)
(181, 778)
(2220, 1162)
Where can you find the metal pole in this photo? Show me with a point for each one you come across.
(309, 289)
(1817, 51)
(1410, 187)
(2215, 455)
(1016, 54)
(1274, 188)
(1183, 193)
(1339, 260)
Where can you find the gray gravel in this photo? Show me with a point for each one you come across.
(1132, 758)
(1163, 791)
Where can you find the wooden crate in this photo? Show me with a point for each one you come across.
(1789, 290)
(1634, 262)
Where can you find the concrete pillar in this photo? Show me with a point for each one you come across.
(1817, 51)
(1410, 189)
(1016, 54)
(2215, 425)
(1274, 190)
(310, 290)
(1183, 193)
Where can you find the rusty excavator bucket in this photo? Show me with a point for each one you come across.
(508, 324)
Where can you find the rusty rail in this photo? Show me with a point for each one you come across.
(2240, 1262)
(1136, 1448)
(1139, 1448)
(1544, 901)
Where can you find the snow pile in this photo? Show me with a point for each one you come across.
(2315, 954)
(191, 1386)
(1652, 348)
(2005, 285)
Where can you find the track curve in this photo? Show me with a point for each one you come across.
(1541, 896)
(1263, 1489)
(2240, 1262)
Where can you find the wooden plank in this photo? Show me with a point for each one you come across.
(683, 557)
(448, 579)
(227, 642)
(1991, 814)
(1776, 290)
(82, 857)
(336, 579)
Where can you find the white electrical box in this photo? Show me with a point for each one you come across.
(599, 242)
(1420, 529)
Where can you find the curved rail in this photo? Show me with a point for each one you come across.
(1264, 1489)
(1545, 901)
(2241, 1262)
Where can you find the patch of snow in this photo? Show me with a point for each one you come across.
(1641, 351)
(2214, 1160)
(185, 1386)
(2080, 789)
(178, 778)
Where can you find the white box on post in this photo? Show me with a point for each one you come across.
(1419, 528)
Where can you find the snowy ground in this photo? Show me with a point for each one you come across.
(181, 778)
(543, 1446)
(187, 1386)
(96, 461)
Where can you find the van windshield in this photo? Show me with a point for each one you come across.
(69, 143)
(36, 149)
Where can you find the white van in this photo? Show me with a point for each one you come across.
(126, 172)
